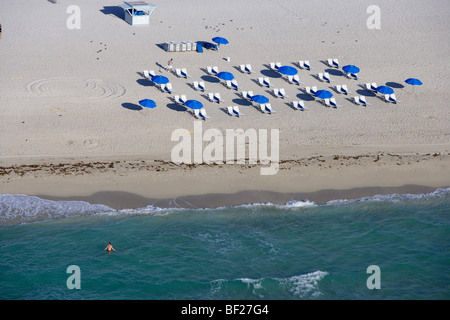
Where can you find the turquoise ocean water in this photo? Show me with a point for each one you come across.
(253, 252)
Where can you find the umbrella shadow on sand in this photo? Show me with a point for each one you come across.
(131, 106)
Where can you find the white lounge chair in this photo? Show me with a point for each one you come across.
(210, 71)
(359, 101)
(311, 91)
(248, 68)
(184, 73)
(203, 114)
(202, 86)
(261, 82)
(234, 85)
(334, 103)
(268, 107)
(162, 87)
(304, 64)
(362, 99)
(237, 112)
(215, 70)
(197, 113)
(320, 75)
(267, 82)
(342, 89)
(371, 87)
(262, 107)
(283, 93)
(230, 111)
(242, 67)
(178, 73)
(228, 82)
(299, 105)
(391, 98)
(327, 77)
(168, 88)
(217, 97)
(326, 102)
(276, 92)
(295, 80)
(211, 97)
(272, 66)
(180, 100)
(352, 76)
(196, 87)
(147, 75)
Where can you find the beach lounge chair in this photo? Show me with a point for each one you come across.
(296, 80)
(304, 64)
(299, 105)
(283, 93)
(362, 99)
(162, 87)
(267, 82)
(211, 97)
(234, 85)
(202, 86)
(326, 102)
(261, 82)
(147, 75)
(217, 97)
(228, 82)
(168, 88)
(178, 73)
(311, 91)
(230, 110)
(215, 70)
(242, 68)
(247, 95)
(274, 66)
(276, 92)
(268, 107)
(342, 89)
(334, 103)
(352, 76)
(209, 69)
(334, 63)
(262, 107)
(196, 87)
(371, 87)
(203, 114)
(237, 112)
(184, 73)
(248, 68)
(197, 113)
(327, 77)
(180, 100)
(391, 98)
(323, 77)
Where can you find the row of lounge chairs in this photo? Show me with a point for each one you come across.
(215, 97)
(245, 68)
(280, 93)
(182, 73)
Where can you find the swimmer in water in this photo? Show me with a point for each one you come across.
(109, 248)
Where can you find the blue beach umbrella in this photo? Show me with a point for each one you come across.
(350, 69)
(324, 94)
(288, 70)
(260, 99)
(413, 82)
(385, 90)
(160, 79)
(220, 40)
(147, 103)
(224, 75)
(193, 104)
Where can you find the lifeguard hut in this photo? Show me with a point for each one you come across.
(137, 12)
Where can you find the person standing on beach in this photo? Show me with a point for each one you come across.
(109, 248)
(170, 65)
(0, 31)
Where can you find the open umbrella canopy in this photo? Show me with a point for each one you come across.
(193, 104)
(323, 94)
(288, 70)
(350, 69)
(414, 82)
(224, 75)
(160, 79)
(260, 99)
(147, 103)
(220, 40)
(385, 90)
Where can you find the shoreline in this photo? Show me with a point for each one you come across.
(120, 200)
(131, 184)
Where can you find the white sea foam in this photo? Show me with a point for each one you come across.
(17, 209)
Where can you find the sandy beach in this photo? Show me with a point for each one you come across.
(72, 127)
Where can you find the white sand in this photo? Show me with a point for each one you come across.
(63, 100)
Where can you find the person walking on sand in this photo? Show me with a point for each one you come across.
(170, 65)
(0, 31)
(109, 248)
